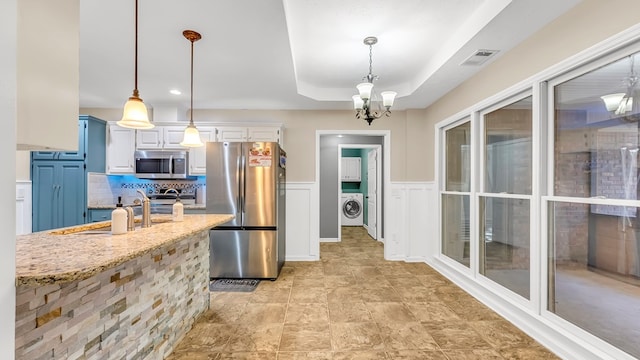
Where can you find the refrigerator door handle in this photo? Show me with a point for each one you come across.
(239, 196)
(243, 184)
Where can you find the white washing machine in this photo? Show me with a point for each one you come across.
(352, 208)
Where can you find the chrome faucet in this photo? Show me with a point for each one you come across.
(131, 221)
(146, 209)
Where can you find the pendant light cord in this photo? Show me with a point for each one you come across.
(191, 112)
(135, 71)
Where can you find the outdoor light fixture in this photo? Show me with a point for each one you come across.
(191, 134)
(367, 104)
(134, 115)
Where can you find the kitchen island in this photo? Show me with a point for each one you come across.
(84, 293)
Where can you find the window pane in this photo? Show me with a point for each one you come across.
(508, 148)
(457, 156)
(504, 246)
(455, 227)
(594, 272)
(596, 146)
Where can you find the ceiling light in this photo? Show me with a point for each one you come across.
(191, 134)
(367, 104)
(134, 115)
(175, 92)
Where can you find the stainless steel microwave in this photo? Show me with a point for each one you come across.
(161, 164)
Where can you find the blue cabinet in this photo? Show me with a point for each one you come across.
(60, 191)
(97, 215)
(59, 179)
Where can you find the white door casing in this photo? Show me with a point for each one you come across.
(372, 191)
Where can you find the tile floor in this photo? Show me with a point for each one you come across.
(354, 305)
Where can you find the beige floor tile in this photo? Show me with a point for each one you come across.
(303, 355)
(248, 356)
(502, 334)
(270, 296)
(356, 336)
(416, 354)
(432, 311)
(471, 354)
(344, 294)
(385, 312)
(307, 313)
(349, 312)
(255, 338)
(529, 353)
(308, 295)
(207, 337)
(224, 313)
(406, 336)
(306, 337)
(360, 355)
(194, 356)
(256, 313)
(354, 305)
(455, 335)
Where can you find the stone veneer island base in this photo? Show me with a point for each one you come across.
(94, 295)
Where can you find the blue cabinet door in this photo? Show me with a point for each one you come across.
(72, 203)
(59, 194)
(44, 193)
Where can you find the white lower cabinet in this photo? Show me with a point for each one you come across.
(121, 144)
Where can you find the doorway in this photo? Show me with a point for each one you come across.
(358, 187)
(327, 193)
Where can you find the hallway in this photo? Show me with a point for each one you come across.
(354, 305)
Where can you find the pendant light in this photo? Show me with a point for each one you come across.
(191, 134)
(134, 115)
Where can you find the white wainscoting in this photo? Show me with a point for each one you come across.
(23, 207)
(411, 222)
(303, 232)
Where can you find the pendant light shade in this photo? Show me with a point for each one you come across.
(191, 137)
(191, 134)
(134, 115)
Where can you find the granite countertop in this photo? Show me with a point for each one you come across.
(112, 206)
(65, 255)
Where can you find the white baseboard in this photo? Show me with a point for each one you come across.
(329, 240)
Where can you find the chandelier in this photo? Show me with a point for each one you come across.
(626, 105)
(367, 104)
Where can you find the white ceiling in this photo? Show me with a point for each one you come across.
(293, 54)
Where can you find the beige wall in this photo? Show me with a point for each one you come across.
(587, 24)
(300, 132)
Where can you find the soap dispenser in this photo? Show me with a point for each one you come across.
(178, 210)
(119, 219)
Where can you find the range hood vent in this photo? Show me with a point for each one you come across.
(479, 57)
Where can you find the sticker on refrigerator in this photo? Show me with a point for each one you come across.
(259, 157)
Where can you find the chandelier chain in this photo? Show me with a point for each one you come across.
(370, 60)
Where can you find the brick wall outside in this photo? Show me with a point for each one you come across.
(137, 310)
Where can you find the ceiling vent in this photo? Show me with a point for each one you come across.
(479, 57)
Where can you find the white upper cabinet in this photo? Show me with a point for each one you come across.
(254, 133)
(121, 144)
(232, 134)
(264, 134)
(160, 137)
(350, 170)
(198, 155)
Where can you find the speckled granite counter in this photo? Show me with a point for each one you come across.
(94, 295)
(50, 257)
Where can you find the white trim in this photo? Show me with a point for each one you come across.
(329, 240)
(386, 184)
(24, 205)
(565, 339)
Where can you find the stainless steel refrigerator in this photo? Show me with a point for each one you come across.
(248, 180)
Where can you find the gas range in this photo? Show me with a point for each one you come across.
(159, 196)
